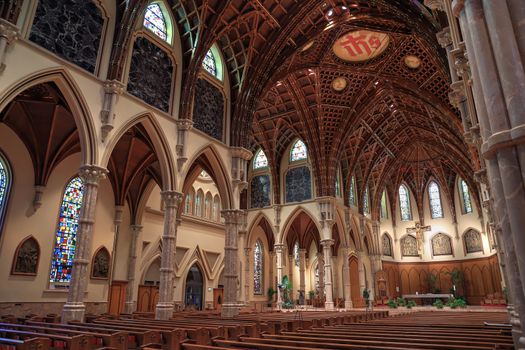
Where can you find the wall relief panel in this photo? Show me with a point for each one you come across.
(409, 246)
(441, 245)
(473, 242)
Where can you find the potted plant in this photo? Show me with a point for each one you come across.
(366, 296)
(311, 296)
(286, 286)
(438, 304)
(392, 304)
(271, 292)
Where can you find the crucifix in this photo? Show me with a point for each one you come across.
(419, 230)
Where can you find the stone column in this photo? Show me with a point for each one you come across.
(499, 91)
(132, 261)
(291, 260)
(327, 252)
(164, 309)
(346, 279)
(233, 219)
(75, 308)
(320, 267)
(302, 267)
(272, 267)
(362, 274)
(247, 264)
(279, 248)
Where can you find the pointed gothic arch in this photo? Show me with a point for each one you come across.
(26, 257)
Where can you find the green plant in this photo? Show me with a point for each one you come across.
(286, 286)
(401, 301)
(392, 304)
(410, 304)
(311, 294)
(271, 292)
(457, 279)
(438, 304)
(454, 303)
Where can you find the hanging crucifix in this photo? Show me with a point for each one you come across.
(419, 230)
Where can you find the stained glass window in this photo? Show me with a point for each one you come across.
(366, 206)
(296, 255)
(298, 151)
(154, 20)
(187, 204)
(204, 175)
(198, 203)
(4, 185)
(210, 64)
(435, 200)
(467, 203)
(216, 209)
(351, 195)
(384, 207)
(404, 203)
(207, 206)
(337, 186)
(260, 161)
(317, 276)
(65, 239)
(258, 268)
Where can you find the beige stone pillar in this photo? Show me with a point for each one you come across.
(279, 249)
(328, 290)
(164, 308)
(320, 267)
(291, 261)
(362, 273)
(74, 308)
(130, 304)
(271, 265)
(233, 219)
(302, 268)
(499, 91)
(247, 265)
(346, 279)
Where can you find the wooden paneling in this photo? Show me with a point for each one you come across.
(480, 277)
(354, 282)
(117, 297)
(148, 297)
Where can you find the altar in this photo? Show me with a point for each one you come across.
(427, 298)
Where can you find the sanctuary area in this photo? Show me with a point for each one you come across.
(262, 174)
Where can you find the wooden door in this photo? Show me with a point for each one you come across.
(117, 297)
(147, 299)
(354, 283)
(218, 298)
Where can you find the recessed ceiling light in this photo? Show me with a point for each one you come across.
(412, 62)
(339, 84)
(307, 46)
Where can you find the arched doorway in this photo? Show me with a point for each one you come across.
(354, 281)
(148, 294)
(194, 288)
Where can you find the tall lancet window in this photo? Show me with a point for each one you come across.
(296, 256)
(435, 200)
(384, 206)
(258, 264)
(404, 203)
(4, 188)
(366, 204)
(155, 21)
(351, 194)
(65, 238)
(465, 194)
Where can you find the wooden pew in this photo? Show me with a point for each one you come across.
(25, 344)
(77, 342)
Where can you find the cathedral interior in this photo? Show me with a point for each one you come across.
(186, 155)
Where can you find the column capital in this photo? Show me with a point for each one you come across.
(135, 229)
(184, 124)
(435, 4)
(233, 216)
(117, 220)
(9, 31)
(92, 174)
(114, 87)
(278, 248)
(171, 199)
(444, 38)
(327, 243)
(242, 153)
